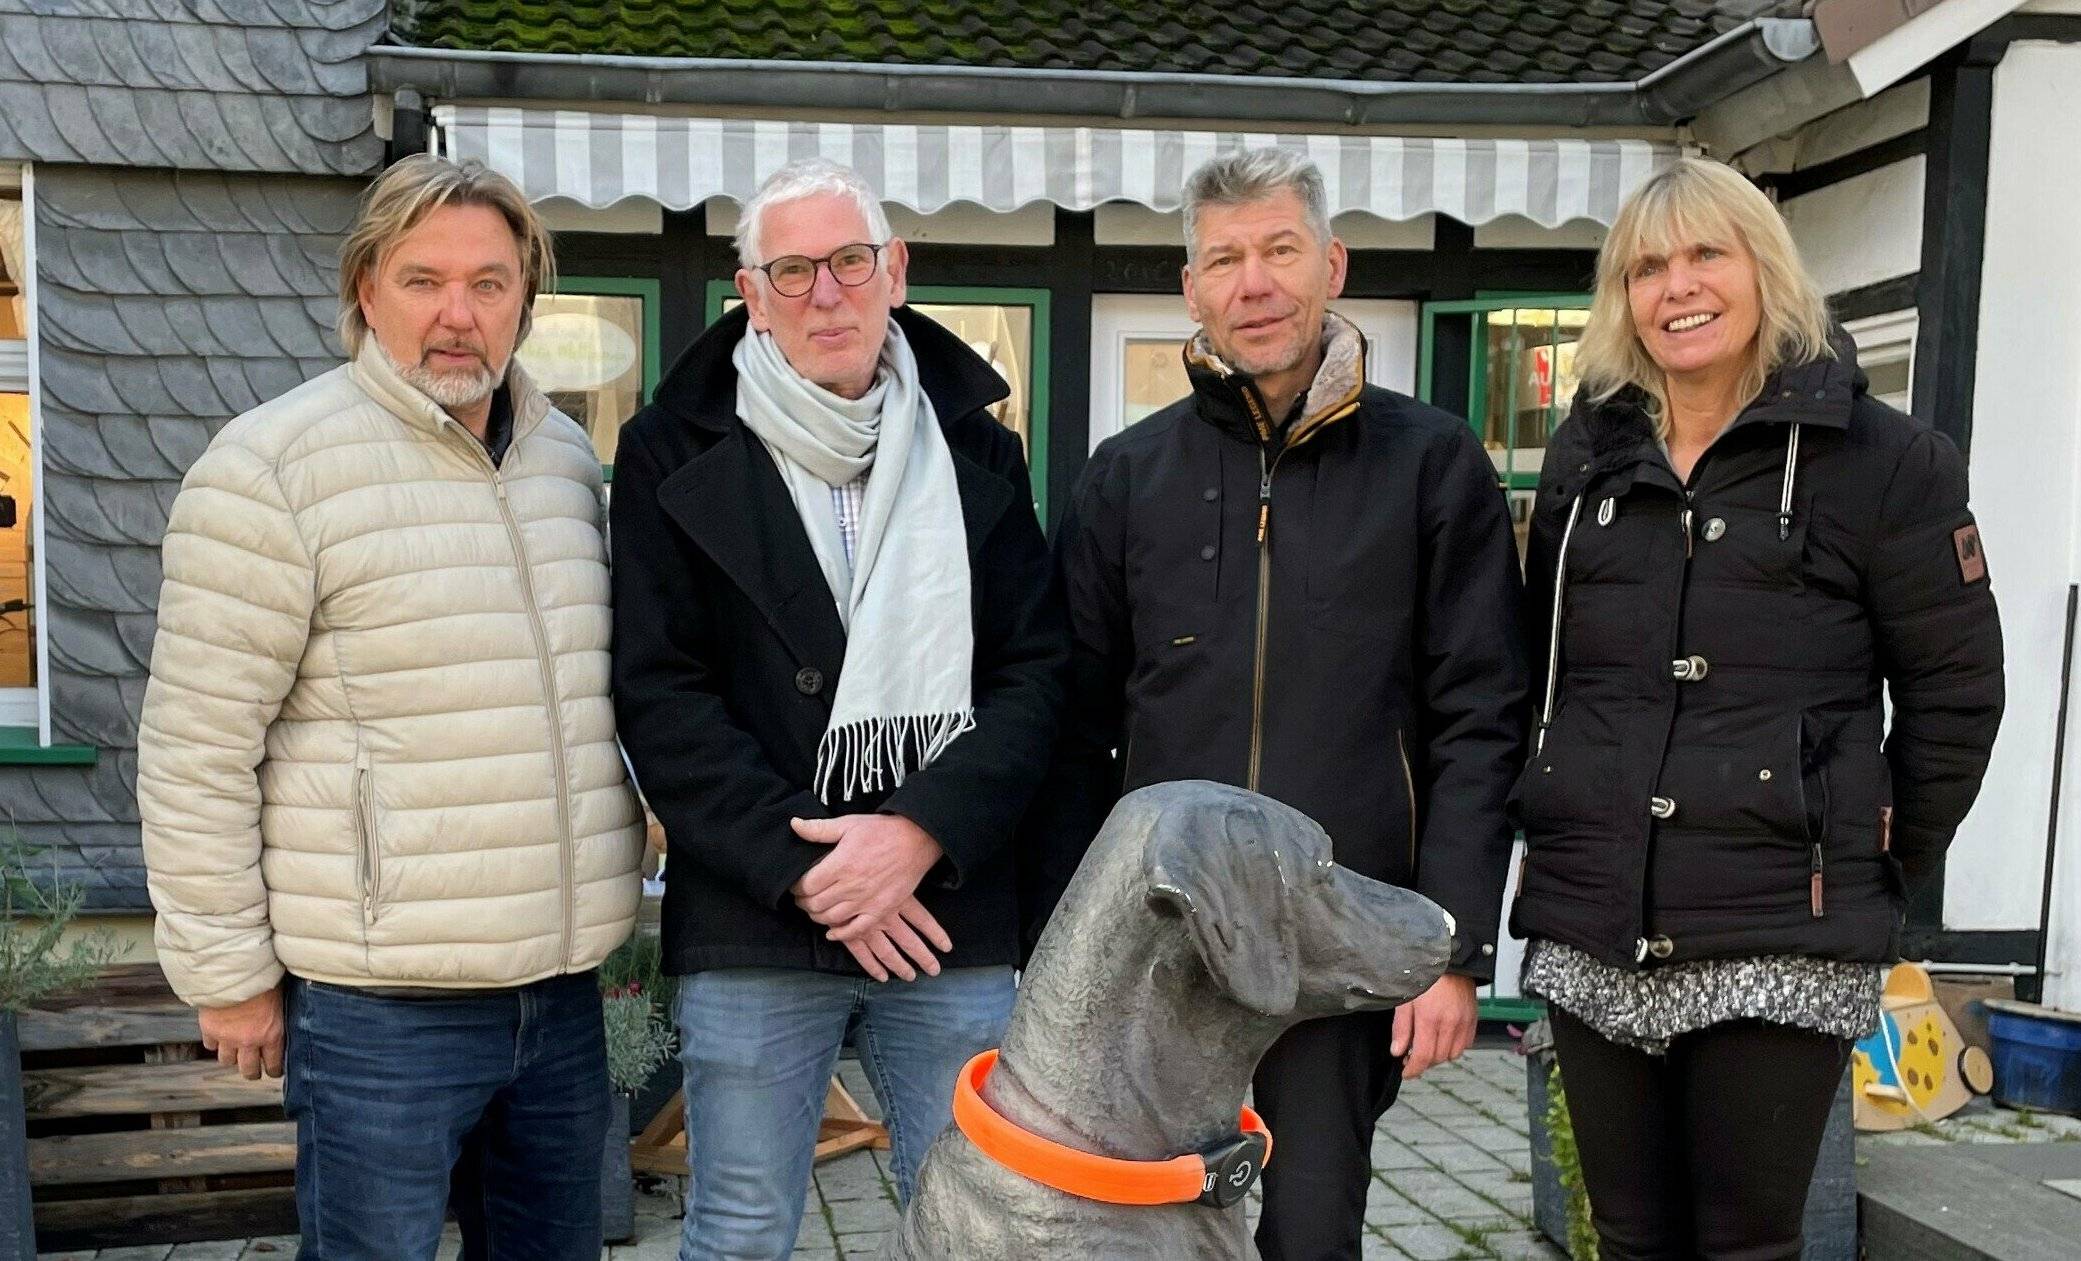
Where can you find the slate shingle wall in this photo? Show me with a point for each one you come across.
(232, 85)
(170, 303)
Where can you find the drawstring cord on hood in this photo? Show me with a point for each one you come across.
(1791, 475)
(1553, 647)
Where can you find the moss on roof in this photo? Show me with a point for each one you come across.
(1471, 41)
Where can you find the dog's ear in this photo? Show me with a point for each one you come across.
(1222, 878)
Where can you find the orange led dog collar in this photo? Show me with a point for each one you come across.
(1217, 1176)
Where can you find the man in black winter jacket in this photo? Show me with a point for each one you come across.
(1304, 585)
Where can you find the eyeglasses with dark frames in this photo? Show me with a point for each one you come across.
(793, 275)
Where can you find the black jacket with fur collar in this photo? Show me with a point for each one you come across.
(1320, 610)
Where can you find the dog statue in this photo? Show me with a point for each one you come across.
(1204, 922)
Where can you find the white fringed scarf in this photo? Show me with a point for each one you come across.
(904, 694)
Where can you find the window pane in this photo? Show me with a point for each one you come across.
(1152, 376)
(1529, 381)
(1003, 337)
(586, 354)
(17, 620)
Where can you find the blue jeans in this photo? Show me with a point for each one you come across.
(758, 1046)
(385, 1093)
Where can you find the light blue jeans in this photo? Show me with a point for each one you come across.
(758, 1046)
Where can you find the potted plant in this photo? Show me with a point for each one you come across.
(1560, 1206)
(639, 1042)
(34, 963)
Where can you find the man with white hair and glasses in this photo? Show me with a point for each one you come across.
(837, 675)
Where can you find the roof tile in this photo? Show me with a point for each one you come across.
(1427, 40)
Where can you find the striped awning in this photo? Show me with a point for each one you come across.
(601, 158)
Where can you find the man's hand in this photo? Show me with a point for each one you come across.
(1436, 1027)
(246, 1036)
(893, 945)
(875, 864)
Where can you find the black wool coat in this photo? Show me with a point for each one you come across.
(1322, 611)
(728, 649)
(1714, 776)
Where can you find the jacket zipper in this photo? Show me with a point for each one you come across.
(1409, 782)
(365, 825)
(557, 754)
(1266, 466)
(1815, 898)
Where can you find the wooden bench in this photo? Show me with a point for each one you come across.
(136, 1134)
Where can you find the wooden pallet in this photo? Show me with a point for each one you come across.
(661, 1147)
(136, 1134)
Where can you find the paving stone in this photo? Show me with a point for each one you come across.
(1427, 1242)
(853, 1217)
(1416, 1131)
(1385, 1207)
(851, 1178)
(221, 1250)
(1524, 1246)
(1463, 1158)
(1389, 1153)
(1438, 1193)
(1377, 1248)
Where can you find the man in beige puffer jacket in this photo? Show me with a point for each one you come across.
(377, 753)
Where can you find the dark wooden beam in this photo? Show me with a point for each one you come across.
(1878, 298)
(1954, 226)
(1790, 184)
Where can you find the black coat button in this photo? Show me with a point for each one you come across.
(1210, 494)
(809, 680)
(1207, 552)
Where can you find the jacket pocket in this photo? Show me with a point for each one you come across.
(369, 866)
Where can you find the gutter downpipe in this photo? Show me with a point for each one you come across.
(1722, 66)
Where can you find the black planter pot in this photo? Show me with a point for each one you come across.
(17, 1224)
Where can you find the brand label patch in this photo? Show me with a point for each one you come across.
(1972, 562)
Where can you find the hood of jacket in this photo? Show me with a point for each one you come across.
(1231, 401)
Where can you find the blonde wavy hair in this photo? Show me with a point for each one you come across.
(1699, 200)
(406, 194)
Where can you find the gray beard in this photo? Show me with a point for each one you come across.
(466, 388)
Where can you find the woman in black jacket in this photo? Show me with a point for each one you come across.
(1735, 547)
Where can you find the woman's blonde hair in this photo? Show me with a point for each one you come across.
(406, 194)
(1692, 201)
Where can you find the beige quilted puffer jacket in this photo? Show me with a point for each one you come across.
(377, 746)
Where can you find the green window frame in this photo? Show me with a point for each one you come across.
(1477, 310)
(652, 294)
(1041, 303)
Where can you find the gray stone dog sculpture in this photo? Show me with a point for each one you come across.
(1204, 922)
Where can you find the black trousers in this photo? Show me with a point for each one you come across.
(1705, 1152)
(1321, 1089)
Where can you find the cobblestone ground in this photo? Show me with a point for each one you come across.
(1451, 1173)
(1450, 1180)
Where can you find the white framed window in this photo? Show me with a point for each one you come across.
(1886, 352)
(23, 651)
